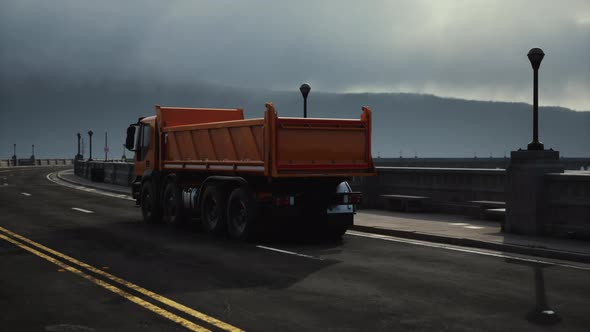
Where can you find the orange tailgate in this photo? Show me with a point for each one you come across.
(308, 146)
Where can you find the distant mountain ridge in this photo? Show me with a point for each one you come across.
(49, 111)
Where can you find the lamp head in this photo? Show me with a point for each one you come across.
(305, 88)
(535, 56)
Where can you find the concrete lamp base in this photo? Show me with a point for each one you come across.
(526, 201)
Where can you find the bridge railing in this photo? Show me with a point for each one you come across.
(569, 163)
(452, 189)
(449, 189)
(35, 162)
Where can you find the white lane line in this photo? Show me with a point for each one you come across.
(463, 249)
(473, 227)
(458, 224)
(26, 194)
(288, 252)
(82, 210)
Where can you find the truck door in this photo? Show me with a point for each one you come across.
(144, 156)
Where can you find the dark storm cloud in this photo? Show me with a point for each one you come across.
(472, 49)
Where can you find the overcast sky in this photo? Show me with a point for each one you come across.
(465, 49)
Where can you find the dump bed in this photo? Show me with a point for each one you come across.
(221, 141)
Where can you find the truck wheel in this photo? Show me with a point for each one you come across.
(172, 208)
(241, 214)
(150, 209)
(335, 233)
(337, 226)
(213, 218)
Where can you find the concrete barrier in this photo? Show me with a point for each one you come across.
(119, 173)
(452, 189)
(109, 173)
(123, 174)
(449, 189)
(79, 168)
(568, 198)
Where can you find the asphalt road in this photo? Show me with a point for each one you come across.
(77, 261)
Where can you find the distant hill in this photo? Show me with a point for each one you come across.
(48, 112)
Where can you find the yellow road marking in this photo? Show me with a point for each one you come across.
(162, 312)
(139, 289)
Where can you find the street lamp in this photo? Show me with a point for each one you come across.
(79, 156)
(90, 135)
(106, 146)
(14, 155)
(305, 88)
(535, 56)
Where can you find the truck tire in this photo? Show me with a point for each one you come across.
(150, 209)
(335, 228)
(172, 208)
(213, 205)
(241, 214)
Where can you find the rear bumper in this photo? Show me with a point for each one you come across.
(301, 215)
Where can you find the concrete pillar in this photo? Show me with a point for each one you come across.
(526, 192)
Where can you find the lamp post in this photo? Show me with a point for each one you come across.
(305, 88)
(526, 192)
(106, 146)
(14, 154)
(33, 152)
(90, 152)
(535, 56)
(78, 156)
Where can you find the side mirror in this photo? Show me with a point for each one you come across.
(130, 140)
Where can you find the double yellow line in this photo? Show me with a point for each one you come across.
(14, 239)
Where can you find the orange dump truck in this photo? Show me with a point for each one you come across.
(240, 176)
